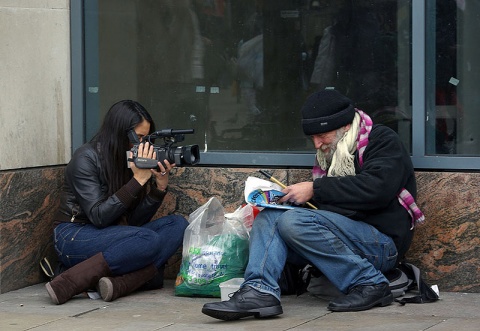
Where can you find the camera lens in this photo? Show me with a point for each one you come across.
(191, 154)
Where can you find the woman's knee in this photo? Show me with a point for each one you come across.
(180, 225)
(146, 237)
(172, 224)
(179, 222)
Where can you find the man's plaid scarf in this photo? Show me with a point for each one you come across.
(404, 197)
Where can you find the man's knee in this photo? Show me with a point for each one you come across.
(295, 222)
(267, 218)
(290, 224)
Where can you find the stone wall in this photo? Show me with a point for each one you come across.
(446, 248)
(28, 201)
(35, 106)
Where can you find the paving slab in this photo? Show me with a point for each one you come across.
(30, 309)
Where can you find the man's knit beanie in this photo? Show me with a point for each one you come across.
(325, 111)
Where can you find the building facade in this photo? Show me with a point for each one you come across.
(237, 73)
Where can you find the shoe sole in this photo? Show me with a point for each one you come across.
(227, 315)
(105, 288)
(382, 302)
(52, 294)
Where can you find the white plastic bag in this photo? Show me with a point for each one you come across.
(215, 249)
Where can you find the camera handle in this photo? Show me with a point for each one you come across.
(145, 163)
(142, 162)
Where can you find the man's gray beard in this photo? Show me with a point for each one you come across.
(325, 159)
(328, 157)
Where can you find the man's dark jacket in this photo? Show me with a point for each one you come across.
(371, 195)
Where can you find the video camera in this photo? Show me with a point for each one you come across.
(180, 155)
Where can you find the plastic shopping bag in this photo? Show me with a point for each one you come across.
(215, 249)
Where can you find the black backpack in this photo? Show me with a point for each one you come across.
(406, 278)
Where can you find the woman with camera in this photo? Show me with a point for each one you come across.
(103, 231)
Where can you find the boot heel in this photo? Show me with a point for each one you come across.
(52, 294)
(105, 288)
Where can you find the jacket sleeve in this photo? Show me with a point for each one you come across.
(375, 184)
(84, 177)
(147, 208)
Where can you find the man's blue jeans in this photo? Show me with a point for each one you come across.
(125, 248)
(347, 252)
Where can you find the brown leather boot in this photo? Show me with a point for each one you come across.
(111, 288)
(155, 283)
(77, 279)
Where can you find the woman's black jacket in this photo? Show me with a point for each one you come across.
(85, 197)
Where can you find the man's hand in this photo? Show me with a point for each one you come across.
(298, 193)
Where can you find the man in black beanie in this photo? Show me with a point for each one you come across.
(364, 192)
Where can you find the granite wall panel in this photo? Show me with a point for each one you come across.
(28, 199)
(446, 248)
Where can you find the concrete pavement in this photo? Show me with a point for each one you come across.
(30, 309)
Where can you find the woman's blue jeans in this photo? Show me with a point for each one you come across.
(125, 248)
(347, 252)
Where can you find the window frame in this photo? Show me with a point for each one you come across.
(420, 160)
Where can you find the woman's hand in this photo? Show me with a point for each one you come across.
(161, 177)
(143, 175)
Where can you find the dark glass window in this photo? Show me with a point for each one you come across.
(238, 71)
(453, 78)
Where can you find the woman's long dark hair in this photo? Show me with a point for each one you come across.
(112, 143)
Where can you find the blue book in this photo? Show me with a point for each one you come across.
(267, 199)
(264, 193)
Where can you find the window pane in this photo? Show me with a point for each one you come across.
(452, 123)
(238, 71)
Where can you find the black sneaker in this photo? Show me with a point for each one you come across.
(245, 302)
(363, 297)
